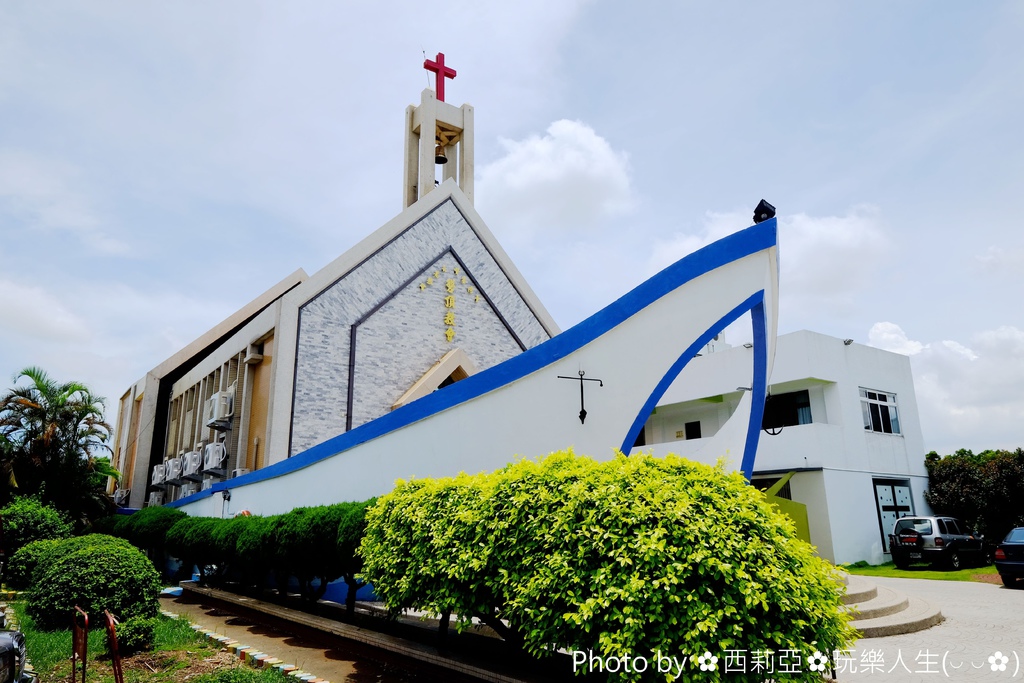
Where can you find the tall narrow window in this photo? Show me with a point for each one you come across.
(879, 411)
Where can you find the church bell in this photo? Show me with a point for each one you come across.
(439, 157)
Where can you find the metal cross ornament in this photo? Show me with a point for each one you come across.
(442, 72)
(582, 379)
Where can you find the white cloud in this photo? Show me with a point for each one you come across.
(47, 195)
(567, 181)
(968, 395)
(29, 311)
(1001, 260)
(891, 337)
(824, 260)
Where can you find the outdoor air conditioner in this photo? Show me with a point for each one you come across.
(220, 408)
(193, 461)
(156, 498)
(121, 497)
(188, 490)
(239, 472)
(158, 474)
(207, 483)
(173, 469)
(214, 456)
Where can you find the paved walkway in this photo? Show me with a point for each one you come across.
(981, 619)
(329, 658)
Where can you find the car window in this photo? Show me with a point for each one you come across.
(942, 526)
(954, 528)
(921, 526)
(1015, 536)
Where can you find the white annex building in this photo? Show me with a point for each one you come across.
(422, 351)
(841, 418)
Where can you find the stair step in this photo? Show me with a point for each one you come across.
(917, 616)
(886, 601)
(859, 589)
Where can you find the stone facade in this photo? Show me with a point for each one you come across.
(399, 326)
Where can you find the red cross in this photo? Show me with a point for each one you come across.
(442, 72)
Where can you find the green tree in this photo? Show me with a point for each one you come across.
(50, 436)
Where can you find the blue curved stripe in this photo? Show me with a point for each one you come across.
(717, 254)
(758, 389)
(752, 303)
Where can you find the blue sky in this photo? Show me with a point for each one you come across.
(163, 163)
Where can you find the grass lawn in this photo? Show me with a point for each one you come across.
(179, 654)
(923, 571)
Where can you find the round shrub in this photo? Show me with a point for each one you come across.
(96, 573)
(22, 564)
(626, 557)
(135, 635)
(26, 520)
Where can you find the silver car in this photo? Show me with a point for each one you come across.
(939, 540)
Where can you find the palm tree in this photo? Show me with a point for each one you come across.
(50, 433)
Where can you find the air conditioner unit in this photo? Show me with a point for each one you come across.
(188, 490)
(156, 498)
(121, 497)
(172, 470)
(239, 472)
(193, 462)
(214, 456)
(207, 483)
(220, 408)
(158, 474)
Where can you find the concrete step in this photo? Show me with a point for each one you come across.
(885, 602)
(858, 589)
(916, 616)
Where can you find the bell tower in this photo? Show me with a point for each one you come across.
(437, 133)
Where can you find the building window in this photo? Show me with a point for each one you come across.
(787, 410)
(879, 410)
(765, 484)
(692, 430)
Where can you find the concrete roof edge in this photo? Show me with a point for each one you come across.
(250, 309)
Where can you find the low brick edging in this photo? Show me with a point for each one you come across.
(250, 655)
(11, 623)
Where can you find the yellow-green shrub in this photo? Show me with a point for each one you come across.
(625, 557)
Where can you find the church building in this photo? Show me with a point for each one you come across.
(423, 352)
(426, 300)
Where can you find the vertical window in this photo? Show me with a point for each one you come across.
(879, 411)
(692, 430)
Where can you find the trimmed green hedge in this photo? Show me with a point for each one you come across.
(94, 572)
(626, 557)
(315, 545)
(148, 527)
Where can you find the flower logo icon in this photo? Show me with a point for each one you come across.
(998, 661)
(708, 662)
(817, 661)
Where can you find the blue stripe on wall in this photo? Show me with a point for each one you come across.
(717, 254)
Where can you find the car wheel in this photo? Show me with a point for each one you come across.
(1008, 581)
(900, 564)
(954, 560)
